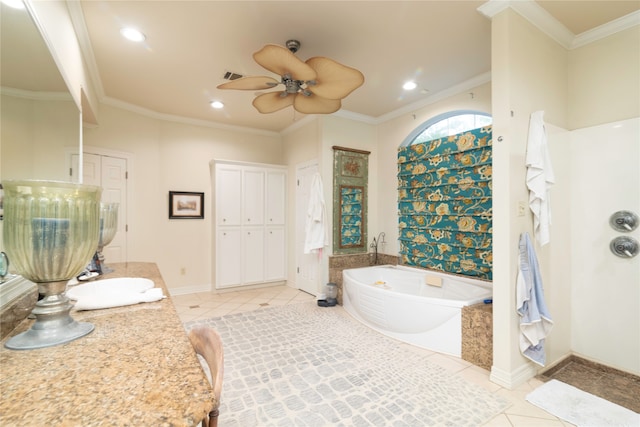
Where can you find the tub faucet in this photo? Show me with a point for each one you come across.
(381, 240)
(374, 247)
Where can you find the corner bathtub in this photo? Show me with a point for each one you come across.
(396, 301)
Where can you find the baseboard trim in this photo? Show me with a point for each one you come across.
(184, 290)
(513, 379)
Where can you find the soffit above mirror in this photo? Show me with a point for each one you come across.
(34, 72)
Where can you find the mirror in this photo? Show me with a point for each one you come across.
(350, 176)
(39, 122)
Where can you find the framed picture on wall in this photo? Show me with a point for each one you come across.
(186, 205)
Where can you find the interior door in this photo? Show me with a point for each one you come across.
(307, 265)
(110, 173)
(114, 190)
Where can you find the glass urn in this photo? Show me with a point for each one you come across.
(51, 230)
(108, 229)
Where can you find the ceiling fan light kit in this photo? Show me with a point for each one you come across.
(316, 86)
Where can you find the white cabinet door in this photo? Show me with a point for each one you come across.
(275, 198)
(228, 195)
(275, 256)
(250, 204)
(253, 255)
(253, 197)
(228, 257)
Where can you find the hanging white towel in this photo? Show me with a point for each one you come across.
(540, 177)
(535, 320)
(316, 236)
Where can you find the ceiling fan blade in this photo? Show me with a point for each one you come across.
(334, 81)
(316, 105)
(280, 60)
(250, 83)
(273, 101)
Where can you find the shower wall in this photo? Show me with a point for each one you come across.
(605, 292)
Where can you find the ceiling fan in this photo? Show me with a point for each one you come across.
(315, 86)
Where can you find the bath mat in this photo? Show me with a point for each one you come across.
(304, 365)
(581, 408)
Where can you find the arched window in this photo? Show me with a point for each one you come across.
(446, 124)
(444, 195)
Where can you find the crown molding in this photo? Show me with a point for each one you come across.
(454, 90)
(298, 124)
(356, 117)
(35, 95)
(534, 13)
(82, 34)
(605, 30)
(184, 120)
(545, 22)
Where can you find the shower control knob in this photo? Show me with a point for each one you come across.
(624, 221)
(624, 247)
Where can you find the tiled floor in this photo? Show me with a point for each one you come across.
(213, 304)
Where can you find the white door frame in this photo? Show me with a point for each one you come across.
(129, 157)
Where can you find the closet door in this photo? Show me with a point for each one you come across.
(275, 254)
(253, 254)
(228, 257)
(253, 197)
(228, 195)
(275, 198)
(250, 205)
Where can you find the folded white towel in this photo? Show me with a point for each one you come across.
(114, 293)
(118, 299)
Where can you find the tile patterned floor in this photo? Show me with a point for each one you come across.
(211, 304)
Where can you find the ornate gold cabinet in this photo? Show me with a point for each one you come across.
(350, 176)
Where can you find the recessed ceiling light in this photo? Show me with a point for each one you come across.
(409, 85)
(16, 4)
(132, 34)
(217, 105)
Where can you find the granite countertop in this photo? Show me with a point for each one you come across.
(136, 367)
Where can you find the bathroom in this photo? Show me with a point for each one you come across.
(578, 269)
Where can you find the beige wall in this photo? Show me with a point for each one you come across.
(529, 74)
(575, 88)
(54, 22)
(594, 84)
(341, 132)
(300, 145)
(167, 157)
(34, 137)
(604, 83)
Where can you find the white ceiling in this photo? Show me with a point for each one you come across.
(191, 44)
